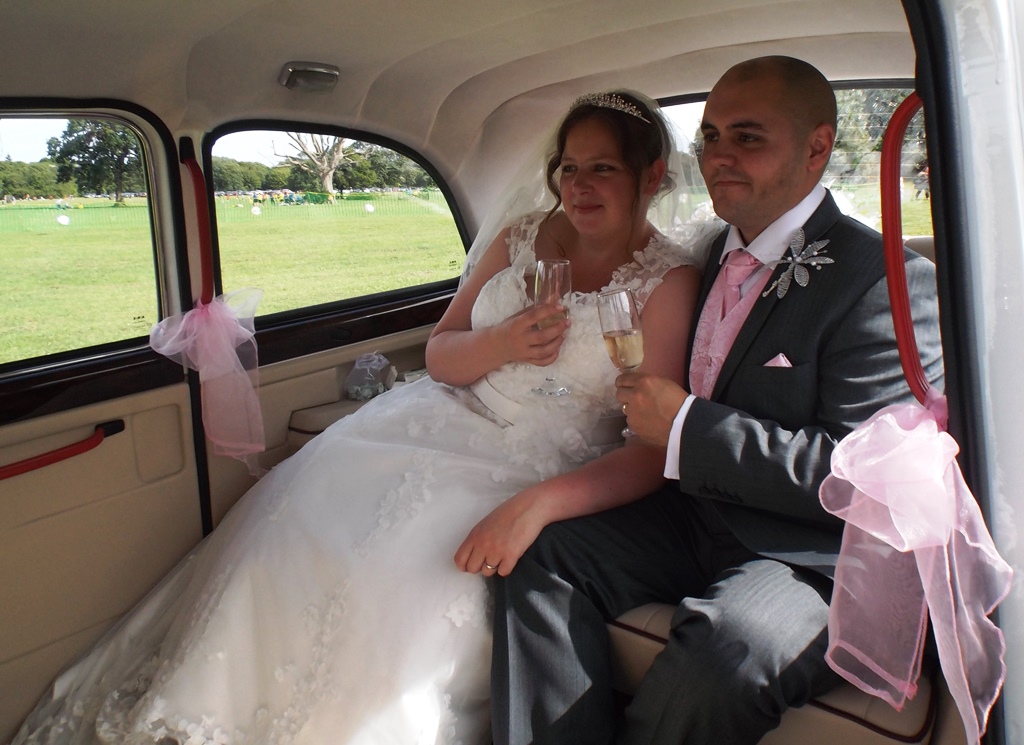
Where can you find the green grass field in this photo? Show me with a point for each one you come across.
(314, 253)
(67, 286)
(92, 280)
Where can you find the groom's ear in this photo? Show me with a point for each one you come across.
(820, 145)
(654, 175)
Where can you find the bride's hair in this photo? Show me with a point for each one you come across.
(530, 189)
(635, 123)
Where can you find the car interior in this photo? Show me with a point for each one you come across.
(106, 476)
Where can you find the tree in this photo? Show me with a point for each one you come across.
(276, 178)
(100, 156)
(253, 174)
(319, 155)
(357, 173)
(227, 175)
(300, 179)
(232, 175)
(370, 165)
(395, 169)
(31, 179)
(864, 114)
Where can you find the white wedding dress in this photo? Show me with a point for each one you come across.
(326, 609)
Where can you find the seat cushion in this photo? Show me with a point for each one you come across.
(846, 715)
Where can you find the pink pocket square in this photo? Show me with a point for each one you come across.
(779, 360)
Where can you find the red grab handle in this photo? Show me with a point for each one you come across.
(203, 221)
(892, 240)
(101, 432)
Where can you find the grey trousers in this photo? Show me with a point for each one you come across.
(748, 636)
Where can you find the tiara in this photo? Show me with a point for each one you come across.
(609, 101)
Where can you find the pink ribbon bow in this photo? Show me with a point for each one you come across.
(217, 339)
(915, 544)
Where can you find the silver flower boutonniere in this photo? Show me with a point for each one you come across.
(799, 259)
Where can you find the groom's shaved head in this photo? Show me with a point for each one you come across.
(807, 94)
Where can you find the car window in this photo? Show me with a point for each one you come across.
(77, 262)
(853, 171)
(311, 219)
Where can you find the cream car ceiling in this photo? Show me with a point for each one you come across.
(470, 84)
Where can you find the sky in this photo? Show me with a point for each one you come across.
(253, 147)
(25, 139)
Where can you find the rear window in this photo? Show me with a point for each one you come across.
(853, 173)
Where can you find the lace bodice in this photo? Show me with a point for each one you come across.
(583, 363)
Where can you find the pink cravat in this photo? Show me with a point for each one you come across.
(720, 320)
(738, 266)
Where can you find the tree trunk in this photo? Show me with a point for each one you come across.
(327, 182)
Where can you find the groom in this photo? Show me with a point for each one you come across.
(781, 369)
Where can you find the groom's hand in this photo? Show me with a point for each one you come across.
(650, 404)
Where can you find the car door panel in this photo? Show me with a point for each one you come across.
(304, 384)
(82, 540)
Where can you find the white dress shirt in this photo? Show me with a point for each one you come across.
(769, 246)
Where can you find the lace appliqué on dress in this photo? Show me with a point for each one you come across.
(647, 271)
(465, 610)
(642, 275)
(402, 503)
(305, 689)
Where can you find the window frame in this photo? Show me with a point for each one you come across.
(323, 326)
(72, 378)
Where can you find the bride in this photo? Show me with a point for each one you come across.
(326, 608)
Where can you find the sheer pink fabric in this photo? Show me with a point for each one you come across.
(218, 340)
(915, 545)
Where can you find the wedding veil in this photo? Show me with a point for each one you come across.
(671, 212)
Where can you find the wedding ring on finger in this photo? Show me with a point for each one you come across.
(490, 566)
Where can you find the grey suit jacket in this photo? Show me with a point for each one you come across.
(760, 448)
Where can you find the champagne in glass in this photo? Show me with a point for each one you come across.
(620, 325)
(552, 283)
(625, 347)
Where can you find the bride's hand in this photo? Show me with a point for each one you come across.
(496, 543)
(524, 341)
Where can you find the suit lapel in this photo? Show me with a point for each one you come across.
(712, 267)
(820, 222)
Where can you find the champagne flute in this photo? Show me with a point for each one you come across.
(620, 325)
(552, 283)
